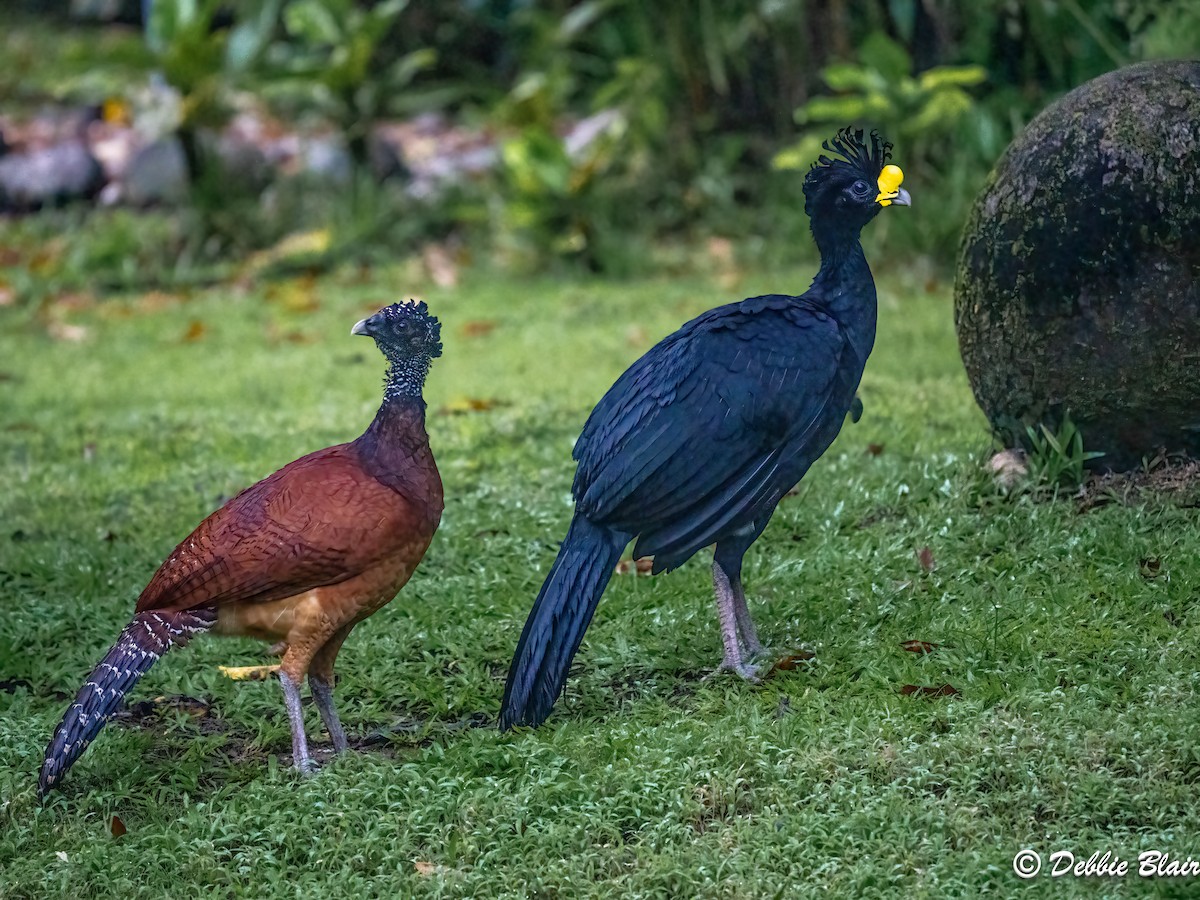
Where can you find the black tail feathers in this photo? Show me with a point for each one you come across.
(147, 637)
(560, 615)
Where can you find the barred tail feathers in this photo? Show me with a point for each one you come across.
(147, 637)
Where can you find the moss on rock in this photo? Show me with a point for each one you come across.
(1078, 283)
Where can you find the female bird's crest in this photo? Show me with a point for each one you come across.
(407, 326)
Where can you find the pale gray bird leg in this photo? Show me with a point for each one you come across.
(735, 657)
(291, 699)
(322, 692)
(745, 623)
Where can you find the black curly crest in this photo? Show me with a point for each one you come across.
(848, 143)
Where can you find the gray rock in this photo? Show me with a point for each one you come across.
(1078, 284)
(48, 177)
(157, 174)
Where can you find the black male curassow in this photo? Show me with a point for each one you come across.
(700, 438)
(303, 556)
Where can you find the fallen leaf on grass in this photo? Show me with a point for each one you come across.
(64, 331)
(427, 868)
(925, 558)
(914, 646)
(117, 827)
(1150, 567)
(945, 690)
(440, 264)
(248, 673)
(296, 295)
(195, 331)
(792, 660)
(294, 249)
(464, 405)
(875, 449)
(643, 566)
(479, 328)
(193, 706)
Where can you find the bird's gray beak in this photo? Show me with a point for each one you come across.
(362, 326)
(902, 198)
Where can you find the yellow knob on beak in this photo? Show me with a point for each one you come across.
(889, 187)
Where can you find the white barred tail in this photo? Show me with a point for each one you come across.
(147, 637)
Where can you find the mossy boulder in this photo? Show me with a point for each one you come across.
(1078, 283)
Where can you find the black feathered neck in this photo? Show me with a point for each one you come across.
(835, 223)
(405, 378)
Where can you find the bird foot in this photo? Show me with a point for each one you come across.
(746, 671)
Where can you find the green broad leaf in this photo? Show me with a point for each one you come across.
(799, 156)
(405, 69)
(951, 76)
(941, 110)
(849, 77)
(579, 18)
(885, 56)
(249, 38)
(312, 22)
(831, 109)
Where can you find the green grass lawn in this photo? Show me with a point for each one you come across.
(1073, 652)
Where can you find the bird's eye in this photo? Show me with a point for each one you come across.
(860, 187)
(402, 326)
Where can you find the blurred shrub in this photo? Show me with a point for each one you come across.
(338, 60)
(923, 115)
(205, 62)
(686, 107)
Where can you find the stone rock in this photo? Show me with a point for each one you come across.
(1078, 283)
(157, 174)
(49, 176)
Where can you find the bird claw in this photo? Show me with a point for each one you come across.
(745, 670)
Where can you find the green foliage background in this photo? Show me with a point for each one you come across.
(714, 107)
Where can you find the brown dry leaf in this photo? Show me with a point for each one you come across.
(1150, 567)
(440, 264)
(117, 827)
(479, 328)
(469, 405)
(945, 690)
(925, 558)
(643, 566)
(64, 331)
(8, 296)
(721, 251)
(297, 295)
(428, 869)
(193, 706)
(914, 646)
(73, 301)
(792, 660)
(46, 259)
(195, 331)
(875, 449)
(248, 673)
